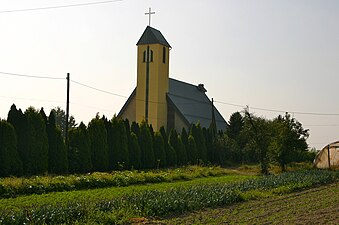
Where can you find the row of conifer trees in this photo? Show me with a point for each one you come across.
(31, 143)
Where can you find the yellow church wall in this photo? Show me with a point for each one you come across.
(141, 86)
(158, 86)
(129, 112)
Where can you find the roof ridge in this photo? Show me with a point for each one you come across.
(183, 82)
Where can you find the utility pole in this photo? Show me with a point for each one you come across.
(67, 113)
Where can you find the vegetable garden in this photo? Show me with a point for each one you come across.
(117, 205)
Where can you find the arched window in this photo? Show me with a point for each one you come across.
(151, 56)
(163, 54)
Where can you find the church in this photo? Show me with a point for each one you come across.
(163, 101)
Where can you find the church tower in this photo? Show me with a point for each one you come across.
(152, 78)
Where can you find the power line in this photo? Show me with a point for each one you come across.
(281, 111)
(231, 104)
(31, 76)
(198, 101)
(111, 93)
(54, 101)
(97, 89)
(296, 112)
(268, 110)
(92, 107)
(31, 99)
(59, 6)
(315, 113)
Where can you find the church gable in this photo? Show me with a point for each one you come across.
(129, 108)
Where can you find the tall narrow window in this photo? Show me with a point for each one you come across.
(163, 54)
(148, 58)
(151, 56)
(144, 57)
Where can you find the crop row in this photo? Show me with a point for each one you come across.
(11, 187)
(161, 202)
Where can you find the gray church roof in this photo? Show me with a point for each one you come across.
(193, 104)
(152, 36)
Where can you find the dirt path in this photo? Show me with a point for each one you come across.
(314, 206)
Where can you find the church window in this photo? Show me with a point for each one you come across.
(164, 55)
(150, 58)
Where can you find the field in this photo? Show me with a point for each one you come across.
(159, 194)
(318, 205)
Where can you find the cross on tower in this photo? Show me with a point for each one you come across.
(149, 13)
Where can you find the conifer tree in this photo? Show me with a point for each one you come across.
(146, 147)
(120, 144)
(135, 128)
(192, 150)
(235, 126)
(110, 144)
(10, 163)
(159, 150)
(196, 132)
(21, 126)
(38, 142)
(128, 131)
(98, 137)
(128, 134)
(43, 115)
(184, 139)
(171, 157)
(182, 151)
(207, 133)
(79, 155)
(127, 126)
(57, 155)
(134, 152)
(174, 143)
(151, 130)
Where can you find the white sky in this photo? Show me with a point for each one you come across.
(281, 55)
